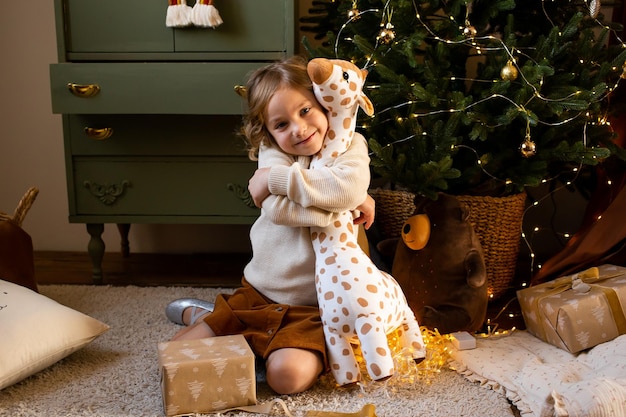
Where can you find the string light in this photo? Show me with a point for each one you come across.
(407, 372)
(492, 44)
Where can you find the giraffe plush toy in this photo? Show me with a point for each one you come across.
(356, 299)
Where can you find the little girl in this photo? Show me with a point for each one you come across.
(276, 307)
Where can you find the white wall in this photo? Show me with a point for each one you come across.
(31, 149)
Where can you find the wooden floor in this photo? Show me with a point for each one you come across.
(143, 269)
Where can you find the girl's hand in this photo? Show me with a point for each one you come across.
(367, 213)
(258, 186)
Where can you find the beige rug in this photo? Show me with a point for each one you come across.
(117, 375)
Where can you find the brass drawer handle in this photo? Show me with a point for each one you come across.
(241, 91)
(83, 90)
(99, 134)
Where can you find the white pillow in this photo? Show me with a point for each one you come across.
(36, 332)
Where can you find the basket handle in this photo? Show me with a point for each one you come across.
(22, 207)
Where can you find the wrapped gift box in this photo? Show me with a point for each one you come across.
(206, 375)
(578, 311)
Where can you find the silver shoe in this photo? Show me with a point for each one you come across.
(174, 310)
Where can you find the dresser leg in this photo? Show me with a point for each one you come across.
(124, 229)
(96, 250)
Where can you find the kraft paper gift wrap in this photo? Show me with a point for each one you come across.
(206, 375)
(578, 311)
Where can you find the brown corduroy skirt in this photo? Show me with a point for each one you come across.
(267, 326)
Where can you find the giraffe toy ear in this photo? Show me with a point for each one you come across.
(366, 104)
(364, 101)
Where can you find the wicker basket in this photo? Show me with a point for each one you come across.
(498, 223)
(16, 246)
(392, 210)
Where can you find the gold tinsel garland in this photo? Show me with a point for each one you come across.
(408, 373)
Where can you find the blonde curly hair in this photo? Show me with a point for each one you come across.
(261, 86)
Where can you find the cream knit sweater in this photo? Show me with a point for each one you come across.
(283, 262)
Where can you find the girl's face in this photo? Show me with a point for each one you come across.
(296, 121)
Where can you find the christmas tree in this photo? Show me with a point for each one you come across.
(482, 97)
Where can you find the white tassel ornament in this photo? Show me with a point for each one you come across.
(178, 14)
(204, 14)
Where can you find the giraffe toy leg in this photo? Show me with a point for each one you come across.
(411, 336)
(375, 348)
(343, 363)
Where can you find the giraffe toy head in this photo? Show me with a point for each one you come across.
(338, 87)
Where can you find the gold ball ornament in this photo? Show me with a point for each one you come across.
(528, 148)
(353, 13)
(387, 34)
(509, 72)
(470, 31)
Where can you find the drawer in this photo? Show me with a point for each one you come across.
(154, 135)
(116, 26)
(159, 187)
(149, 88)
(250, 27)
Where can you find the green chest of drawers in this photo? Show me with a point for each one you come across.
(149, 112)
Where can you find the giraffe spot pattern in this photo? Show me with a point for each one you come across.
(372, 300)
(375, 369)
